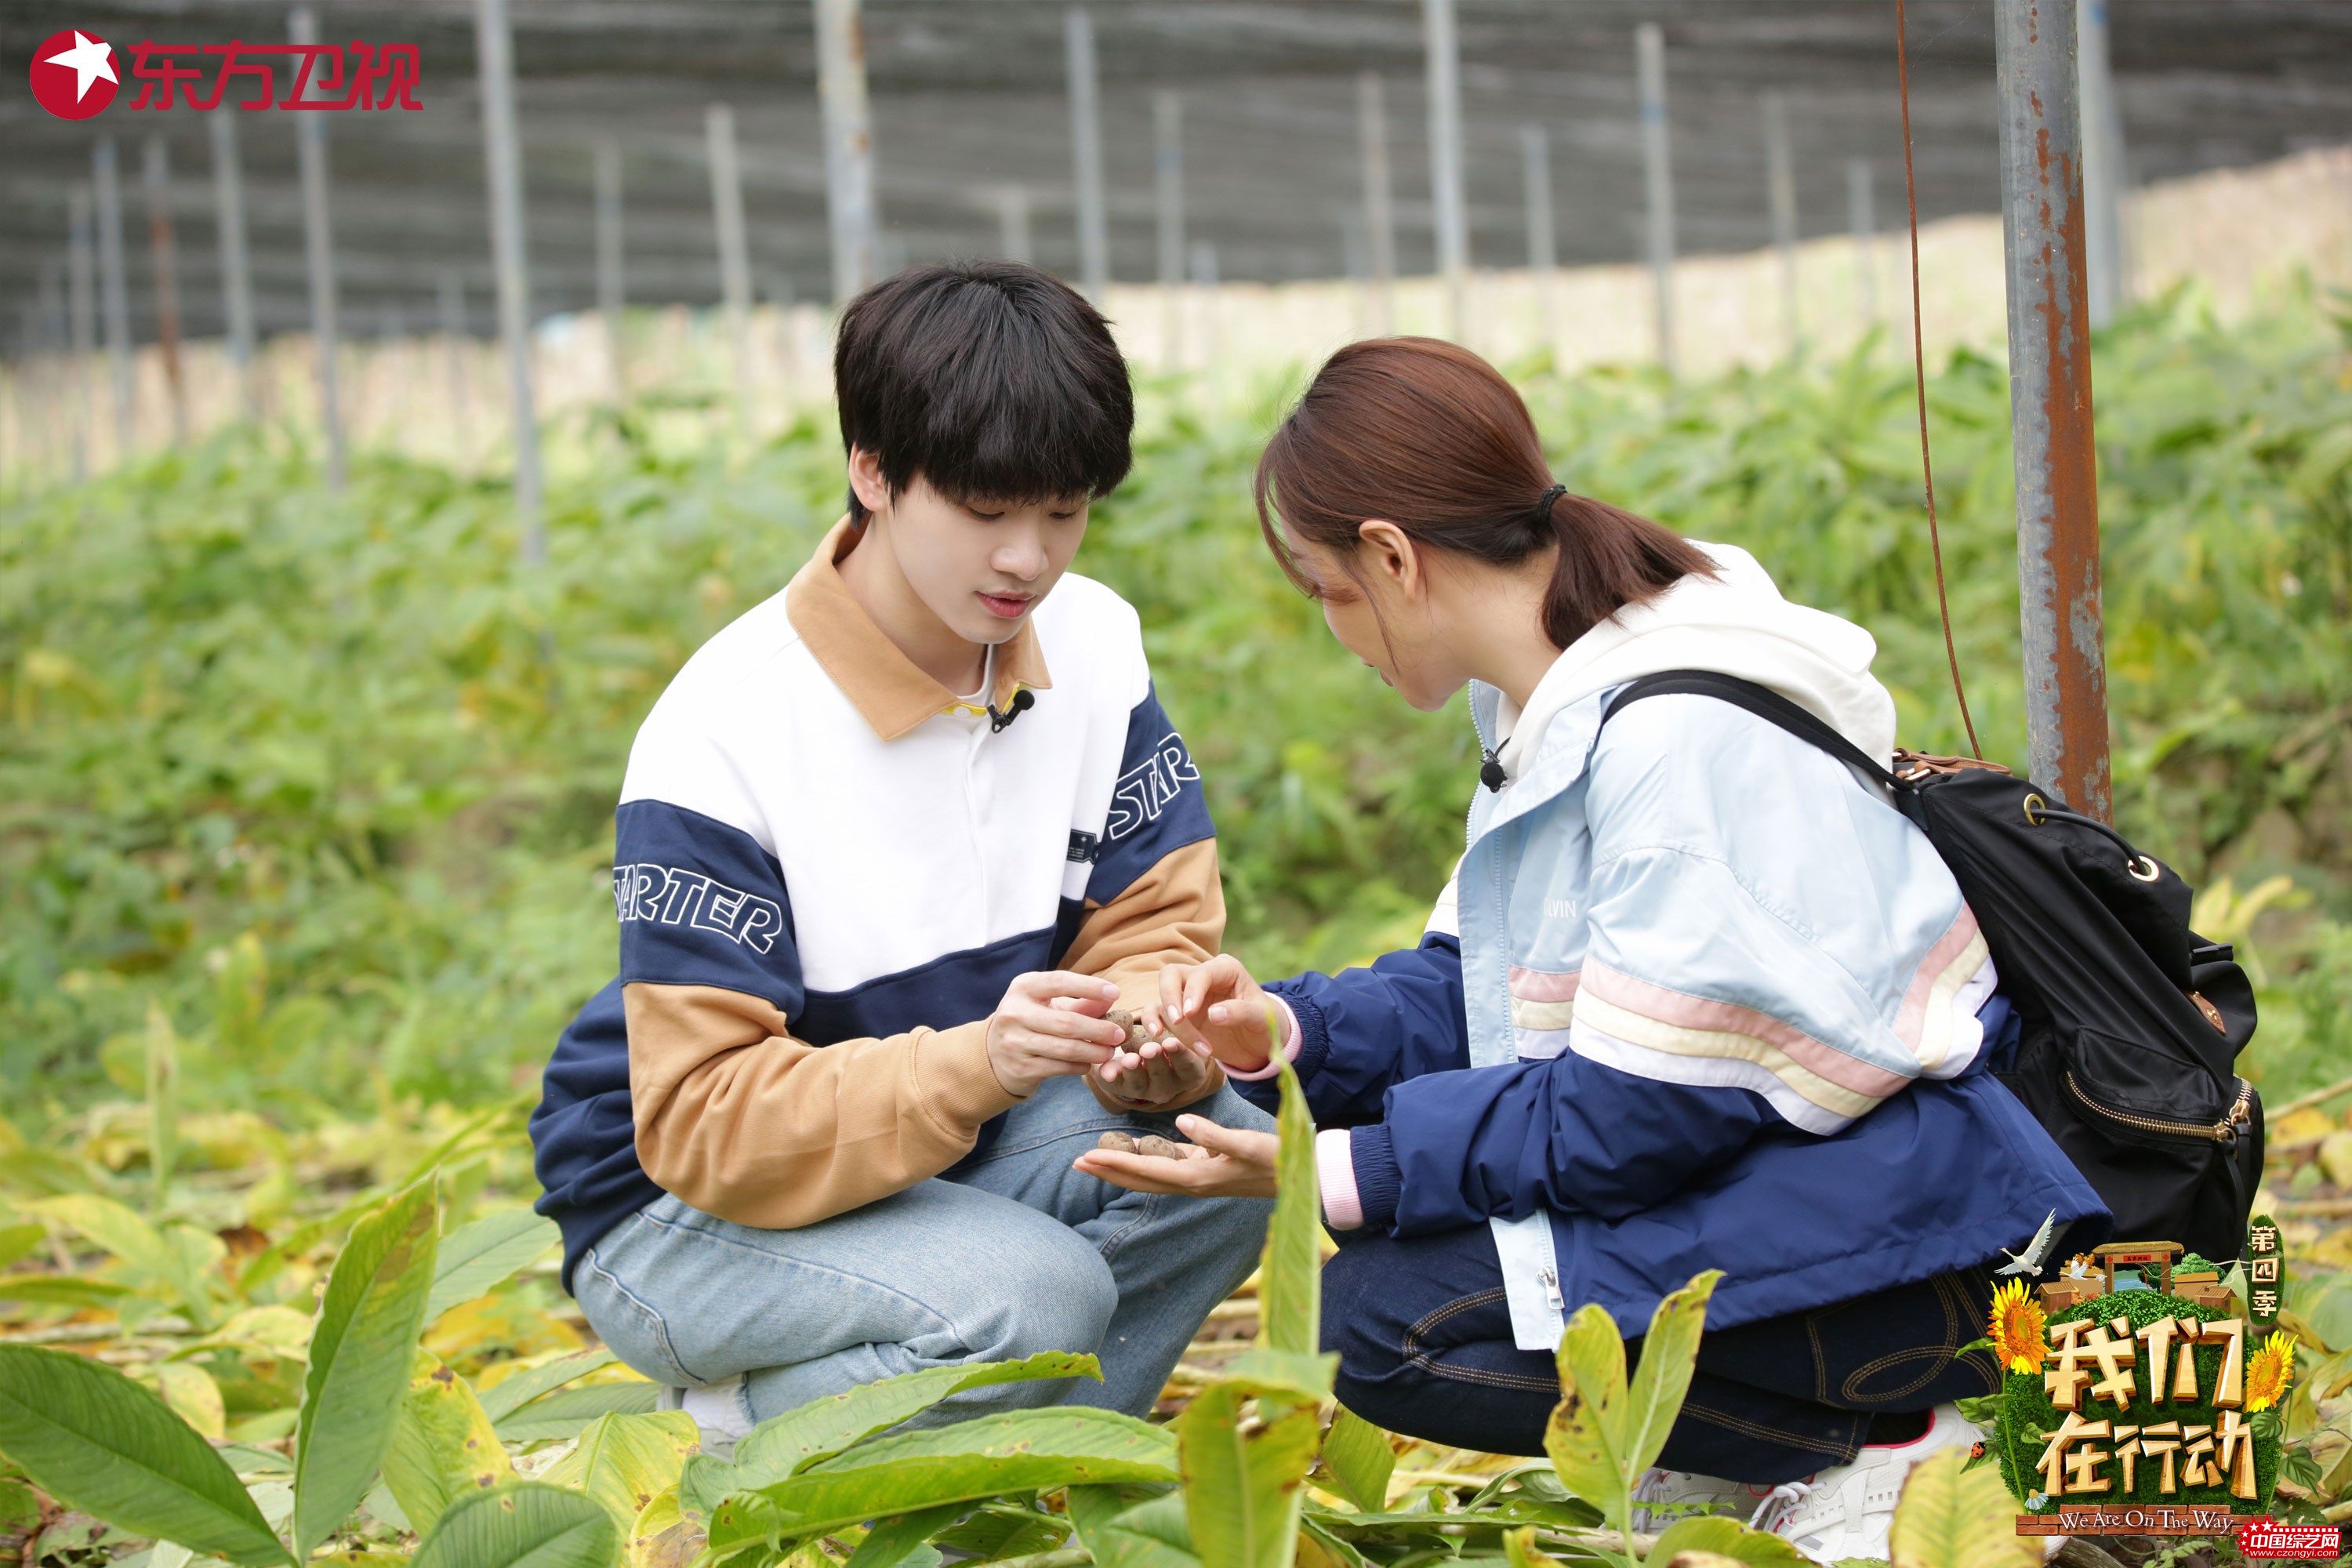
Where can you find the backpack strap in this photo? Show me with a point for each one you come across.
(1767, 705)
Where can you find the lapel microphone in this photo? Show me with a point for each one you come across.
(1022, 701)
(1490, 770)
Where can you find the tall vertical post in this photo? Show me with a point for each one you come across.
(15, 433)
(1658, 180)
(1168, 182)
(1534, 157)
(453, 337)
(2103, 165)
(319, 248)
(494, 52)
(734, 251)
(1204, 286)
(1012, 223)
(849, 145)
(1781, 178)
(164, 249)
(114, 296)
(1354, 265)
(1085, 142)
(57, 391)
(1443, 53)
(236, 267)
(80, 273)
(610, 287)
(1862, 218)
(1379, 211)
(2050, 403)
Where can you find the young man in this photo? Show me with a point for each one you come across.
(819, 1130)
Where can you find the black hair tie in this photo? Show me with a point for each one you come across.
(1542, 517)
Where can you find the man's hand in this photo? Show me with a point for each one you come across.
(1217, 1005)
(1220, 1163)
(1051, 1025)
(1160, 1072)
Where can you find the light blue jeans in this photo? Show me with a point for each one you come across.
(1012, 1254)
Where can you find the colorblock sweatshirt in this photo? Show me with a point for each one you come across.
(827, 867)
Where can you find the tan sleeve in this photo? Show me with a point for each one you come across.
(740, 1120)
(1173, 913)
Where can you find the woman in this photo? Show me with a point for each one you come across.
(1696, 997)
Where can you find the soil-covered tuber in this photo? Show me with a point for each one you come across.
(1150, 1144)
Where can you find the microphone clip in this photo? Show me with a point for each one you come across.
(1022, 701)
(1490, 770)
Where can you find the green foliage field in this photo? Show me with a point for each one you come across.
(330, 780)
(305, 813)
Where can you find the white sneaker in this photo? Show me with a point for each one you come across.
(1844, 1512)
(1694, 1493)
(715, 1412)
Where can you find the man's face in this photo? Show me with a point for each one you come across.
(981, 566)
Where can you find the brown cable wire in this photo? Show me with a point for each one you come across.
(1919, 375)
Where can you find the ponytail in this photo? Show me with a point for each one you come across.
(1429, 437)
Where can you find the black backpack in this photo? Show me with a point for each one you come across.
(2130, 1020)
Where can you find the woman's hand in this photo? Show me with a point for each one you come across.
(1162, 1071)
(1220, 1163)
(1217, 1005)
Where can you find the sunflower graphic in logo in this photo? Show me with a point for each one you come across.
(2268, 1372)
(2019, 1334)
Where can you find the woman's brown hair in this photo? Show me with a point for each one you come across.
(1429, 437)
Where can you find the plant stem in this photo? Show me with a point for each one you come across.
(2305, 1101)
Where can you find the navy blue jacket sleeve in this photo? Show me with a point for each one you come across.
(1362, 1030)
(1455, 1148)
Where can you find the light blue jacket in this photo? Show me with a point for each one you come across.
(1696, 996)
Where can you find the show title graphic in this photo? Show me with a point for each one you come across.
(74, 75)
(2152, 1409)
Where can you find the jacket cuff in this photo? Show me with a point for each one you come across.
(1335, 1173)
(1289, 1046)
(1378, 1180)
(959, 1087)
(1313, 1037)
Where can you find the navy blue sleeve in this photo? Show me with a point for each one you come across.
(1156, 803)
(701, 902)
(1568, 1134)
(1362, 1030)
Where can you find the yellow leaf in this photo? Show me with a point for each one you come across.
(1952, 1517)
(2336, 1157)
(1585, 1437)
(1520, 1549)
(442, 1445)
(662, 1537)
(193, 1396)
(1704, 1539)
(626, 1462)
(2299, 1129)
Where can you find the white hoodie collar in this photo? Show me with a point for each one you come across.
(1737, 624)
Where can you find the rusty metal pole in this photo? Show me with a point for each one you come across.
(2050, 403)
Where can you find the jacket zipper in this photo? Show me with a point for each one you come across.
(1550, 1281)
(2222, 1131)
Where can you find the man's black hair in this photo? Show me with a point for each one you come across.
(991, 380)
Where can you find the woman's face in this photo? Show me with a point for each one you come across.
(1381, 612)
